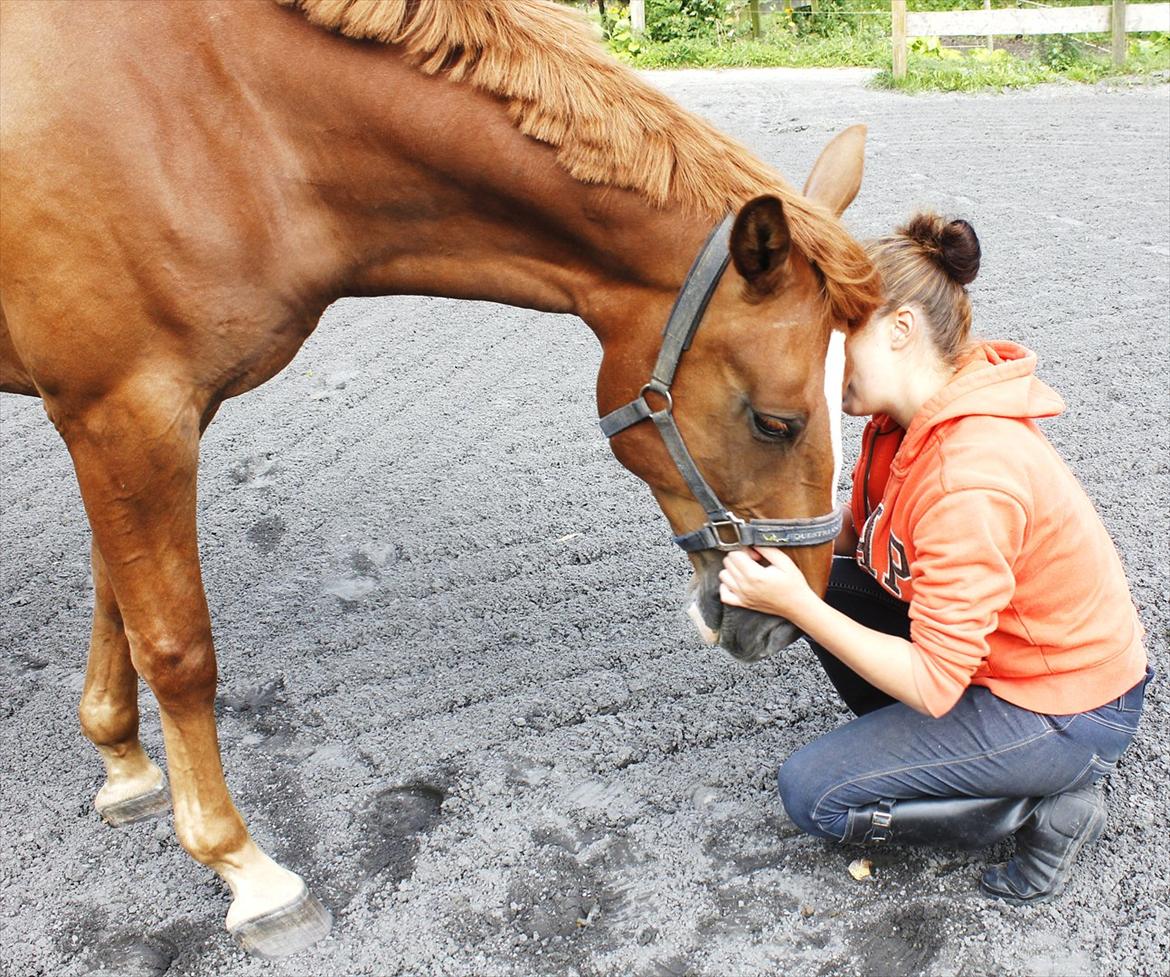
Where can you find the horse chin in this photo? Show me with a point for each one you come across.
(746, 635)
(751, 636)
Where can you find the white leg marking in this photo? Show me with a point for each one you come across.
(834, 379)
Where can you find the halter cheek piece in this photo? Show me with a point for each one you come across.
(723, 530)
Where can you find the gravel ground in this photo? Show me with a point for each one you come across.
(458, 690)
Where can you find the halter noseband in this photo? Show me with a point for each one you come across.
(723, 530)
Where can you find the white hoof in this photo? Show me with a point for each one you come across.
(286, 930)
(127, 800)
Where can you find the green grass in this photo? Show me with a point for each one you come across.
(819, 52)
(981, 70)
(930, 66)
(965, 74)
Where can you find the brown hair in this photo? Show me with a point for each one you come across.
(928, 262)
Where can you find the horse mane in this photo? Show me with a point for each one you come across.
(608, 126)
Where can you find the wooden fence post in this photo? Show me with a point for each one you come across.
(990, 37)
(754, 7)
(637, 16)
(1118, 25)
(898, 25)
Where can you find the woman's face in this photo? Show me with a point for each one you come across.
(870, 367)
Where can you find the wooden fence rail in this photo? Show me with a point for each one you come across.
(1117, 18)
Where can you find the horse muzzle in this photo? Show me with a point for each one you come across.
(747, 635)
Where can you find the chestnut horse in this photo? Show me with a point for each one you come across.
(187, 186)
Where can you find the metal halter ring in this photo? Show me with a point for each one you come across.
(655, 387)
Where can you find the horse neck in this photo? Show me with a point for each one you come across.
(425, 186)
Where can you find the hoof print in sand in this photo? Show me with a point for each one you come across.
(386, 833)
(257, 471)
(900, 944)
(394, 820)
(255, 701)
(557, 904)
(669, 967)
(267, 533)
(135, 955)
(362, 577)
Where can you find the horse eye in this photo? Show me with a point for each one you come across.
(774, 428)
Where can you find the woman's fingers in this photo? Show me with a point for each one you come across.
(730, 588)
(739, 562)
(735, 575)
(729, 596)
(774, 556)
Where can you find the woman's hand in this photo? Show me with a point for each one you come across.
(767, 580)
(774, 586)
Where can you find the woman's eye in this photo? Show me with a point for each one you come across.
(774, 428)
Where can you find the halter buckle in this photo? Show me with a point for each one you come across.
(730, 523)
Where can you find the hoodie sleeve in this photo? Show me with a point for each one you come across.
(966, 544)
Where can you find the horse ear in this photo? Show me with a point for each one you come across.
(760, 242)
(836, 175)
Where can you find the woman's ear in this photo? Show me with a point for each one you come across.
(904, 327)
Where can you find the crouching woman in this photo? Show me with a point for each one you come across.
(982, 629)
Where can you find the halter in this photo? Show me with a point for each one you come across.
(723, 530)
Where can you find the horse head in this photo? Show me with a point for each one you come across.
(756, 399)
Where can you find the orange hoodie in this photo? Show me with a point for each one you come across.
(972, 518)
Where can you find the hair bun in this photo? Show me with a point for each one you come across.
(960, 252)
(953, 245)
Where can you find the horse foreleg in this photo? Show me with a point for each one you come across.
(136, 454)
(135, 787)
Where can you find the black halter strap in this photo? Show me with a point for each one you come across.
(723, 530)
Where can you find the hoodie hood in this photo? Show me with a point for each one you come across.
(994, 379)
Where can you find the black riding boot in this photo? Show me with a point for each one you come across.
(1045, 847)
(948, 822)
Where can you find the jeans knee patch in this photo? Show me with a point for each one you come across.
(798, 793)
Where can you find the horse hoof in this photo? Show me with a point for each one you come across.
(287, 930)
(148, 805)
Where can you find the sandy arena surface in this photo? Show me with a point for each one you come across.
(458, 691)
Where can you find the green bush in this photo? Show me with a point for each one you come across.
(670, 20)
(932, 47)
(929, 69)
(832, 18)
(1151, 45)
(619, 33)
(1059, 51)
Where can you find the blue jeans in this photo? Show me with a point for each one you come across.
(983, 747)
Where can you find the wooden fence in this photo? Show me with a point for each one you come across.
(1117, 18)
